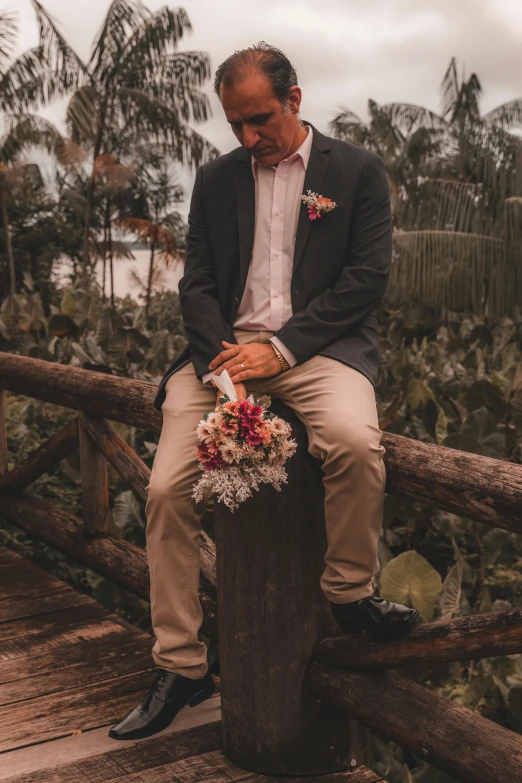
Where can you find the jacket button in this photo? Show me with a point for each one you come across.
(236, 301)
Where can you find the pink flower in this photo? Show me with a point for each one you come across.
(317, 204)
(229, 426)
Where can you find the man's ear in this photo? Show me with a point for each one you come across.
(294, 98)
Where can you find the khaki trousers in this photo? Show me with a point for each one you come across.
(336, 404)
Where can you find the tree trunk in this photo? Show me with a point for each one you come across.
(90, 197)
(149, 281)
(111, 254)
(105, 240)
(8, 242)
(272, 613)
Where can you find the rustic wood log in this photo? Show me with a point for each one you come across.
(463, 638)
(3, 435)
(106, 396)
(111, 557)
(119, 454)
(137, 475)
(452, 738)
(272, 612)
(42, 459)
(95, 483)
(470, 485)
(480, 488)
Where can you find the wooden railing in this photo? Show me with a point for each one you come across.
(345, 675)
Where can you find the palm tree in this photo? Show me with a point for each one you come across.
(25, 82)
(457, 180)
(21, 133)
(137, 83)
(153, 219)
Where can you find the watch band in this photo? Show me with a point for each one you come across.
(280, 358)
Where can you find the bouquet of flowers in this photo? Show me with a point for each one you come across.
(241, 445)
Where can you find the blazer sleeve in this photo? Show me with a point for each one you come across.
(364, 278)
(203, 320)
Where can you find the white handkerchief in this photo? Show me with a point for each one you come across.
(225, 384)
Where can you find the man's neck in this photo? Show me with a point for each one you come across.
(300, 136)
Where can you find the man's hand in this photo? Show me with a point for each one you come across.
(253, 360)
(240, 392)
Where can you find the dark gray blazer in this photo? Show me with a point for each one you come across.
(340, 269)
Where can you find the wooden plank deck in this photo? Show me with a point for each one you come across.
(69, 668)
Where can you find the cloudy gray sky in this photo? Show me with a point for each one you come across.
(345, 51)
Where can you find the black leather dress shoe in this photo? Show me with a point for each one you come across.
(168, 694)
(383, 620)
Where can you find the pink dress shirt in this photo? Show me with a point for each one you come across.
(266, 304)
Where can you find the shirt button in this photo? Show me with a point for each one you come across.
(278, 213)
(276, 255)
(275, 294)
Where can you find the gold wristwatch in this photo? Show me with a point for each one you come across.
(280, 358)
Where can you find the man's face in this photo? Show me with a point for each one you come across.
(258, 119)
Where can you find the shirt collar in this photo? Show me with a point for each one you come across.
(302, 152)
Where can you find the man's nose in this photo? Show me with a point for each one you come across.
(250, 137)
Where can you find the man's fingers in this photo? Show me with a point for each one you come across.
(222, 357)
(235, 369)
(244, 376)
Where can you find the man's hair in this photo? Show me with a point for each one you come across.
(266, 59)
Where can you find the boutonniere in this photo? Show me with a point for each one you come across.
(317, 204)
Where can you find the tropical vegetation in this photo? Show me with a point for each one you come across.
(456, 180)
(450, 330)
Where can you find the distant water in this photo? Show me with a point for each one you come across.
(123, 284)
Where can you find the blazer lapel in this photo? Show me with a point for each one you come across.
(246, 213)
(246, 196)
(315, 171)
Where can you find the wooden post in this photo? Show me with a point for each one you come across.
(95, 483)
(272, 613)
(3, 435)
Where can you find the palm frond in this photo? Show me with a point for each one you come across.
(159, 280)
(70, 155)
(409, 117)
(61, 58)
(20, 83)
(348, 126)
(143, 115)
(508, 115)
(112, 175)
(449, 205)
(189, 103)
(27, 131)
(156, 37)
(8, 32)
(150, 233)
(189, 68)
(450, 88)
(146, 114)
(123, 18)
(82, 115)
(458, 271)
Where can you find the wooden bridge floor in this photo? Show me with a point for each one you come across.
(69, 668)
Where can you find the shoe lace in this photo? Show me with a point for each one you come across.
(160, 679)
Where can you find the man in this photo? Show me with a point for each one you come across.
(287, 305)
